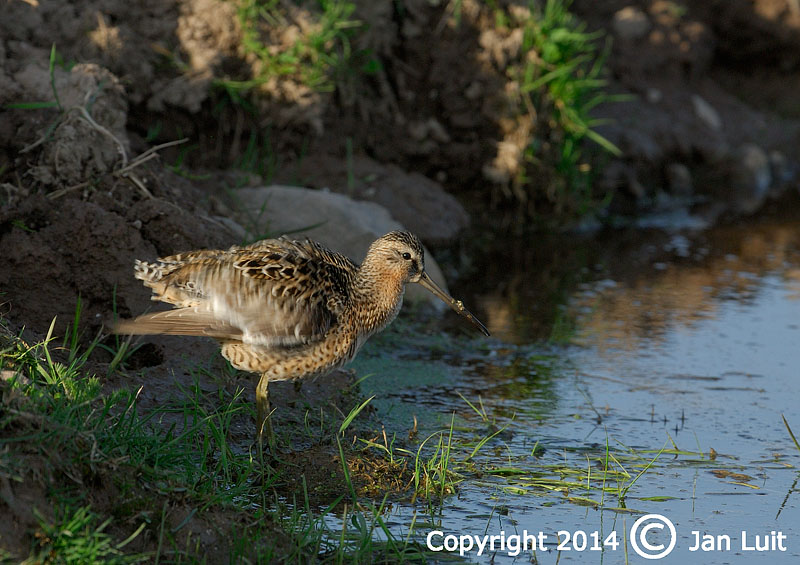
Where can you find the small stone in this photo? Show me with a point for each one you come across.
(631, 23)
(706, 113)
(233, 226)
(679, 179)
(654, 95)
(137, 224)
(473, 91)
(750, 176)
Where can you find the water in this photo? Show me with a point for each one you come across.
(639, 342)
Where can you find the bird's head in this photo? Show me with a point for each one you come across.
(399, 256)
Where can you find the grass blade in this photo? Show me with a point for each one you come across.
(794, 439)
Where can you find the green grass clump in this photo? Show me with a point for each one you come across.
(321, 55)
(560, 79)
(75, 539)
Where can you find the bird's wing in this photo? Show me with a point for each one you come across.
(274, 292)
(180, 321)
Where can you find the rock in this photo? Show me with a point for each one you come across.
(750, 178)
(420, 204)
(630, 23)
(679, 180)
(414, 200)
(782, 171)
(232, 225)
(706, 113)
(654, 95)
(335, 220)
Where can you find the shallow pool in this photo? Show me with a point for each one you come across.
(630, 374)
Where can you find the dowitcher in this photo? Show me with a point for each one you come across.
(282, 308)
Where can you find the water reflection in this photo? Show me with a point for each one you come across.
(618, 288)
(528, 378)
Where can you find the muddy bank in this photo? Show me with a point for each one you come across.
(704, 129)
(437, 99)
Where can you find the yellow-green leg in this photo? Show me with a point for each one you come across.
(263, 420)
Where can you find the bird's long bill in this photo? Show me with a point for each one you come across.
(456, 305)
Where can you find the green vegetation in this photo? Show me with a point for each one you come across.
(433, 477)
(458, 456)
(320, 57)
(120, 347)
(560, 76)
(76, 539)
(791, 433)
(60, 432)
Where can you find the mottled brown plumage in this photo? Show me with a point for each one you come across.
(285, 309)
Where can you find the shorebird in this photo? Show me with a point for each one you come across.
(282, 308)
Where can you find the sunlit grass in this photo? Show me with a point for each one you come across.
(76, 538)
(177, 452)
(556, 81)
(316, 55)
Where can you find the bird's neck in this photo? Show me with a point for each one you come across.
(377, 299)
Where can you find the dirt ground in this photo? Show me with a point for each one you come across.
(78, 207)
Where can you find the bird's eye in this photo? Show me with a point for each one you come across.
(407, 256)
